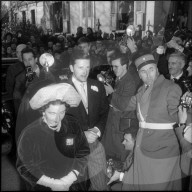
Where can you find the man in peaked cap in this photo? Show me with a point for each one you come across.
(156, 153)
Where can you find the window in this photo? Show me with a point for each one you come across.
(33, 16)
(112, 7)
(15, 17)
(87, 9)
(66, 10)
(140, 6)
(84, 8)
(24, 16)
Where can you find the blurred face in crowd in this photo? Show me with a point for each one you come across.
(89, 31)
(57, 56)
(29, 60)
(79, 30)
(35, 49)
(81, 69)
(128, 142)
(175, 65)
(41, 49)
(189, 69)
(85, 47)
(50, 44)
(14, 40)
(99, 44)
(13, 46)
(9, 50)
(119, 69)
(58, 46)
(29, 44)
(149, 73)
(54, 114)
(8, 38)
(32, 39)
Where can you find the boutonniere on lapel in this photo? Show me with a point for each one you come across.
(94, 88)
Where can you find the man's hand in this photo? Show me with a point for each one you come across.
(115, 177)
(187, 97)
(91, 136)
(182, 114)
(109, 89)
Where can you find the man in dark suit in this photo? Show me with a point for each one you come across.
(125, 88)
(92, 114)
(176, 64)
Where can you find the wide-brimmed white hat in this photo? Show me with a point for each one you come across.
(61, 91)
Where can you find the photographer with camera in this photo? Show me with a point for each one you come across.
(33, 75)
(184, 134)
(124, 89)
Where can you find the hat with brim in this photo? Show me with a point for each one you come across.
(62, 91)
(144, 60)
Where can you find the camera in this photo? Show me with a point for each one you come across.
(107, 77)
(188, 85)
(29, 74)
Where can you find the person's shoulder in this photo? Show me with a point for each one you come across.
(169, 84)
(32, 127)
(17, 66)
(70, 118)
(94, 82)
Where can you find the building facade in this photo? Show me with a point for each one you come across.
(66, 16)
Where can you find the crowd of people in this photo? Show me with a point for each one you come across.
(70, 119)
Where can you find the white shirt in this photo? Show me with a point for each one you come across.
(82, 93)
(178, 76)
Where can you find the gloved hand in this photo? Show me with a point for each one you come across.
(114, 177)
(54, 184)
(59, 185)
(69, 179)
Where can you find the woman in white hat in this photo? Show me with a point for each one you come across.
(52, 150)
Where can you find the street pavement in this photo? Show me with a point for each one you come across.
(10, 179)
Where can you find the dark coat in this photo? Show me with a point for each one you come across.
(180, 81)
(42, 151)
(98, 107)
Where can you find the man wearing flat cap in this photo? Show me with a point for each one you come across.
(156, 154)
(52, 150)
